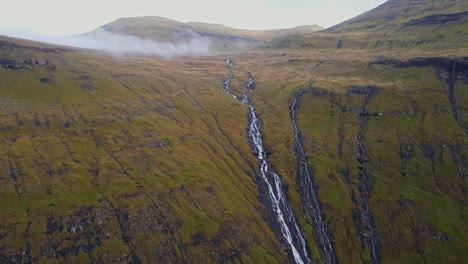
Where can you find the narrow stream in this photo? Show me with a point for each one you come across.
(373, 242)
(282, 216)
(307, 187)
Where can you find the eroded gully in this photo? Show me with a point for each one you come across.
(367, 220)
(307, 188)
(281, 215)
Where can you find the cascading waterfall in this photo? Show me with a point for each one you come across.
(308, 194)
(283, 217)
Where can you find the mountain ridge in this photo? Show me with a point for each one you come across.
(396, 24)
(148, 26)
(397, 12)
(221, 38)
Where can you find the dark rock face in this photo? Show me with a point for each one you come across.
(44, 79)
(199, 238)
(89, 228)
(19, 64)
(157, 144)
(367, 90)
(340, 43)
(207, 35)
(6, 45)
(406, 153)
(459, 65)
(9, 64)
(317, 91)
(439, 19)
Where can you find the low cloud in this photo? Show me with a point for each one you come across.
(121, 45)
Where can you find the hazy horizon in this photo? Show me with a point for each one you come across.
(61, 18)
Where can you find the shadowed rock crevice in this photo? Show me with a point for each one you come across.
(362, 214)
(305, 182)
(406, 153)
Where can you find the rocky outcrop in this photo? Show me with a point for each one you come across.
(19, 64)
(10, 45)
(439, 19)
(461, 63)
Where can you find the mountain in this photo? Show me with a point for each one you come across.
(294, 154)
(170, 30)
(422, 24)
(221, 37)
(398, 13)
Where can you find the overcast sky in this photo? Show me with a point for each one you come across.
(65, 17)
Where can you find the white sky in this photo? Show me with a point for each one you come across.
(65, 17)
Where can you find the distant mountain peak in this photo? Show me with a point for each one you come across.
(396, 12)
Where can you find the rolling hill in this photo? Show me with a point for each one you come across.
(296, 152)
(171, 30)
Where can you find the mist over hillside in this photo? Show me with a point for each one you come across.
(117, 44)
(156, 36)
(120, 45)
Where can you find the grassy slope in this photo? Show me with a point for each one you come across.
(110, 158)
